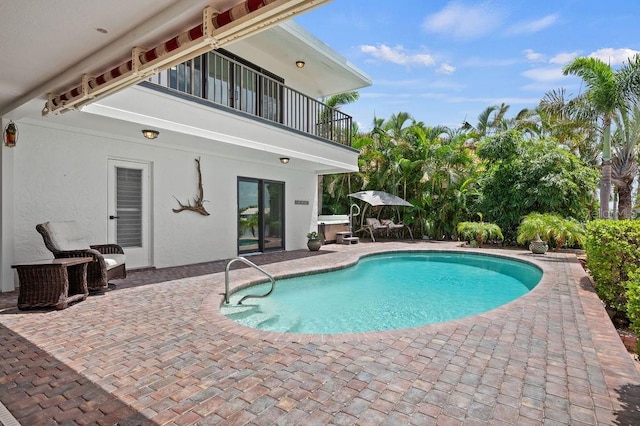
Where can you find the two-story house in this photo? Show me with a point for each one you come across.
(180, 153)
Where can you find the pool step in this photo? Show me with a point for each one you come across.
(346, 237)
(237, 311)
(275, 323)
(350, 240)
(251, 316)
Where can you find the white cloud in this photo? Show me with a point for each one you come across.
(398, 55)
(564, 58)
(614, 56)
(446, 69)
(533, 26)
(464, 21)
(533, 56)
(544, 74)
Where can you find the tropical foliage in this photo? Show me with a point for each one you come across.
(479, 231)
(551, 228)
(608, 93)
(548, 159)
(526, 175)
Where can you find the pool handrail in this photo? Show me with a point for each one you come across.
(253, 265)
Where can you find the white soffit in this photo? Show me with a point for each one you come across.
(76, 47)
(277, 49)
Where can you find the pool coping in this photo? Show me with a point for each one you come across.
(211, 305)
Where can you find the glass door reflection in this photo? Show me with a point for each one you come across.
(260, 215)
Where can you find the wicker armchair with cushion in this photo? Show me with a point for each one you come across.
(65, 239)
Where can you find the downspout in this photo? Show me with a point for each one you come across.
(98, 58)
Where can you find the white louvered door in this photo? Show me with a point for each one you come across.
(128, 210)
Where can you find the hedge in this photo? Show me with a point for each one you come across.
(613, 258)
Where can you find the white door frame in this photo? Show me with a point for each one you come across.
(137, 257)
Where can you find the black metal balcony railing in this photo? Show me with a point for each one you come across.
(232, 84)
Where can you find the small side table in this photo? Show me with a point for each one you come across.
(53, 282)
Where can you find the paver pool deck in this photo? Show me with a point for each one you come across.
(162, 353)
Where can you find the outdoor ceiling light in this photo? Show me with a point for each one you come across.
(284, 160)
(150, 134)
(11, 135)
(300, 64)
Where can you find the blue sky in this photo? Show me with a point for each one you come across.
(446, 61)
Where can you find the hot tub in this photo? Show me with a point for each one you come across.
(328, 225)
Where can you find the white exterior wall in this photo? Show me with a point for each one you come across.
(61, 174)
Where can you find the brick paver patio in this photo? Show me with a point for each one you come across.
(162, 353)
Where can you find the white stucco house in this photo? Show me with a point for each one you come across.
(240, 127)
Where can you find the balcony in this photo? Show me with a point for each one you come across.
(231, 83)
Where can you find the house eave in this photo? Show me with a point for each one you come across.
(202, 127)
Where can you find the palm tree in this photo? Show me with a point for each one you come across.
(624, 164)
(609, 92)
(490, 120)
(572, 122)
(334, 102)
(526, 121)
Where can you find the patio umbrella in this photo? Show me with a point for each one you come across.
(378, 198)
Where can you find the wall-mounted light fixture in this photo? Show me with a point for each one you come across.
(10, 134)
(300, 64)
(284, 160)
(150, 134)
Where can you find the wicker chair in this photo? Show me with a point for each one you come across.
(64, 240)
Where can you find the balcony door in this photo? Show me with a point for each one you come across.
(260, 215)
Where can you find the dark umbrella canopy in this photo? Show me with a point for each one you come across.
(380, 198)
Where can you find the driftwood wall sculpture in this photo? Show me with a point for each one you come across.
(197, 201)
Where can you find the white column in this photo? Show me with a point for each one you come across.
(7, 275)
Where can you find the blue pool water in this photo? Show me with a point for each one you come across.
(385, 292)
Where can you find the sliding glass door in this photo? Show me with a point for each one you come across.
(260, 215)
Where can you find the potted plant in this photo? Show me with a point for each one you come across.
(479, 231)
(536, 229)
(313, 241)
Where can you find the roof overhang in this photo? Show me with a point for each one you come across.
(32, 69)
(217, 29)
(277, 49)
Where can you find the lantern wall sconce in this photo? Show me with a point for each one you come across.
(10, 134)
(150, 134)
(300, 64)
(284, 160)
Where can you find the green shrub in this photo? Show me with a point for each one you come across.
(633, 301)
(613, 254)
(551, 227)
(479, 231)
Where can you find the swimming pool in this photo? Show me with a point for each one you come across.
(385, 292)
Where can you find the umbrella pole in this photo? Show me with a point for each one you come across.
(364, 214)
